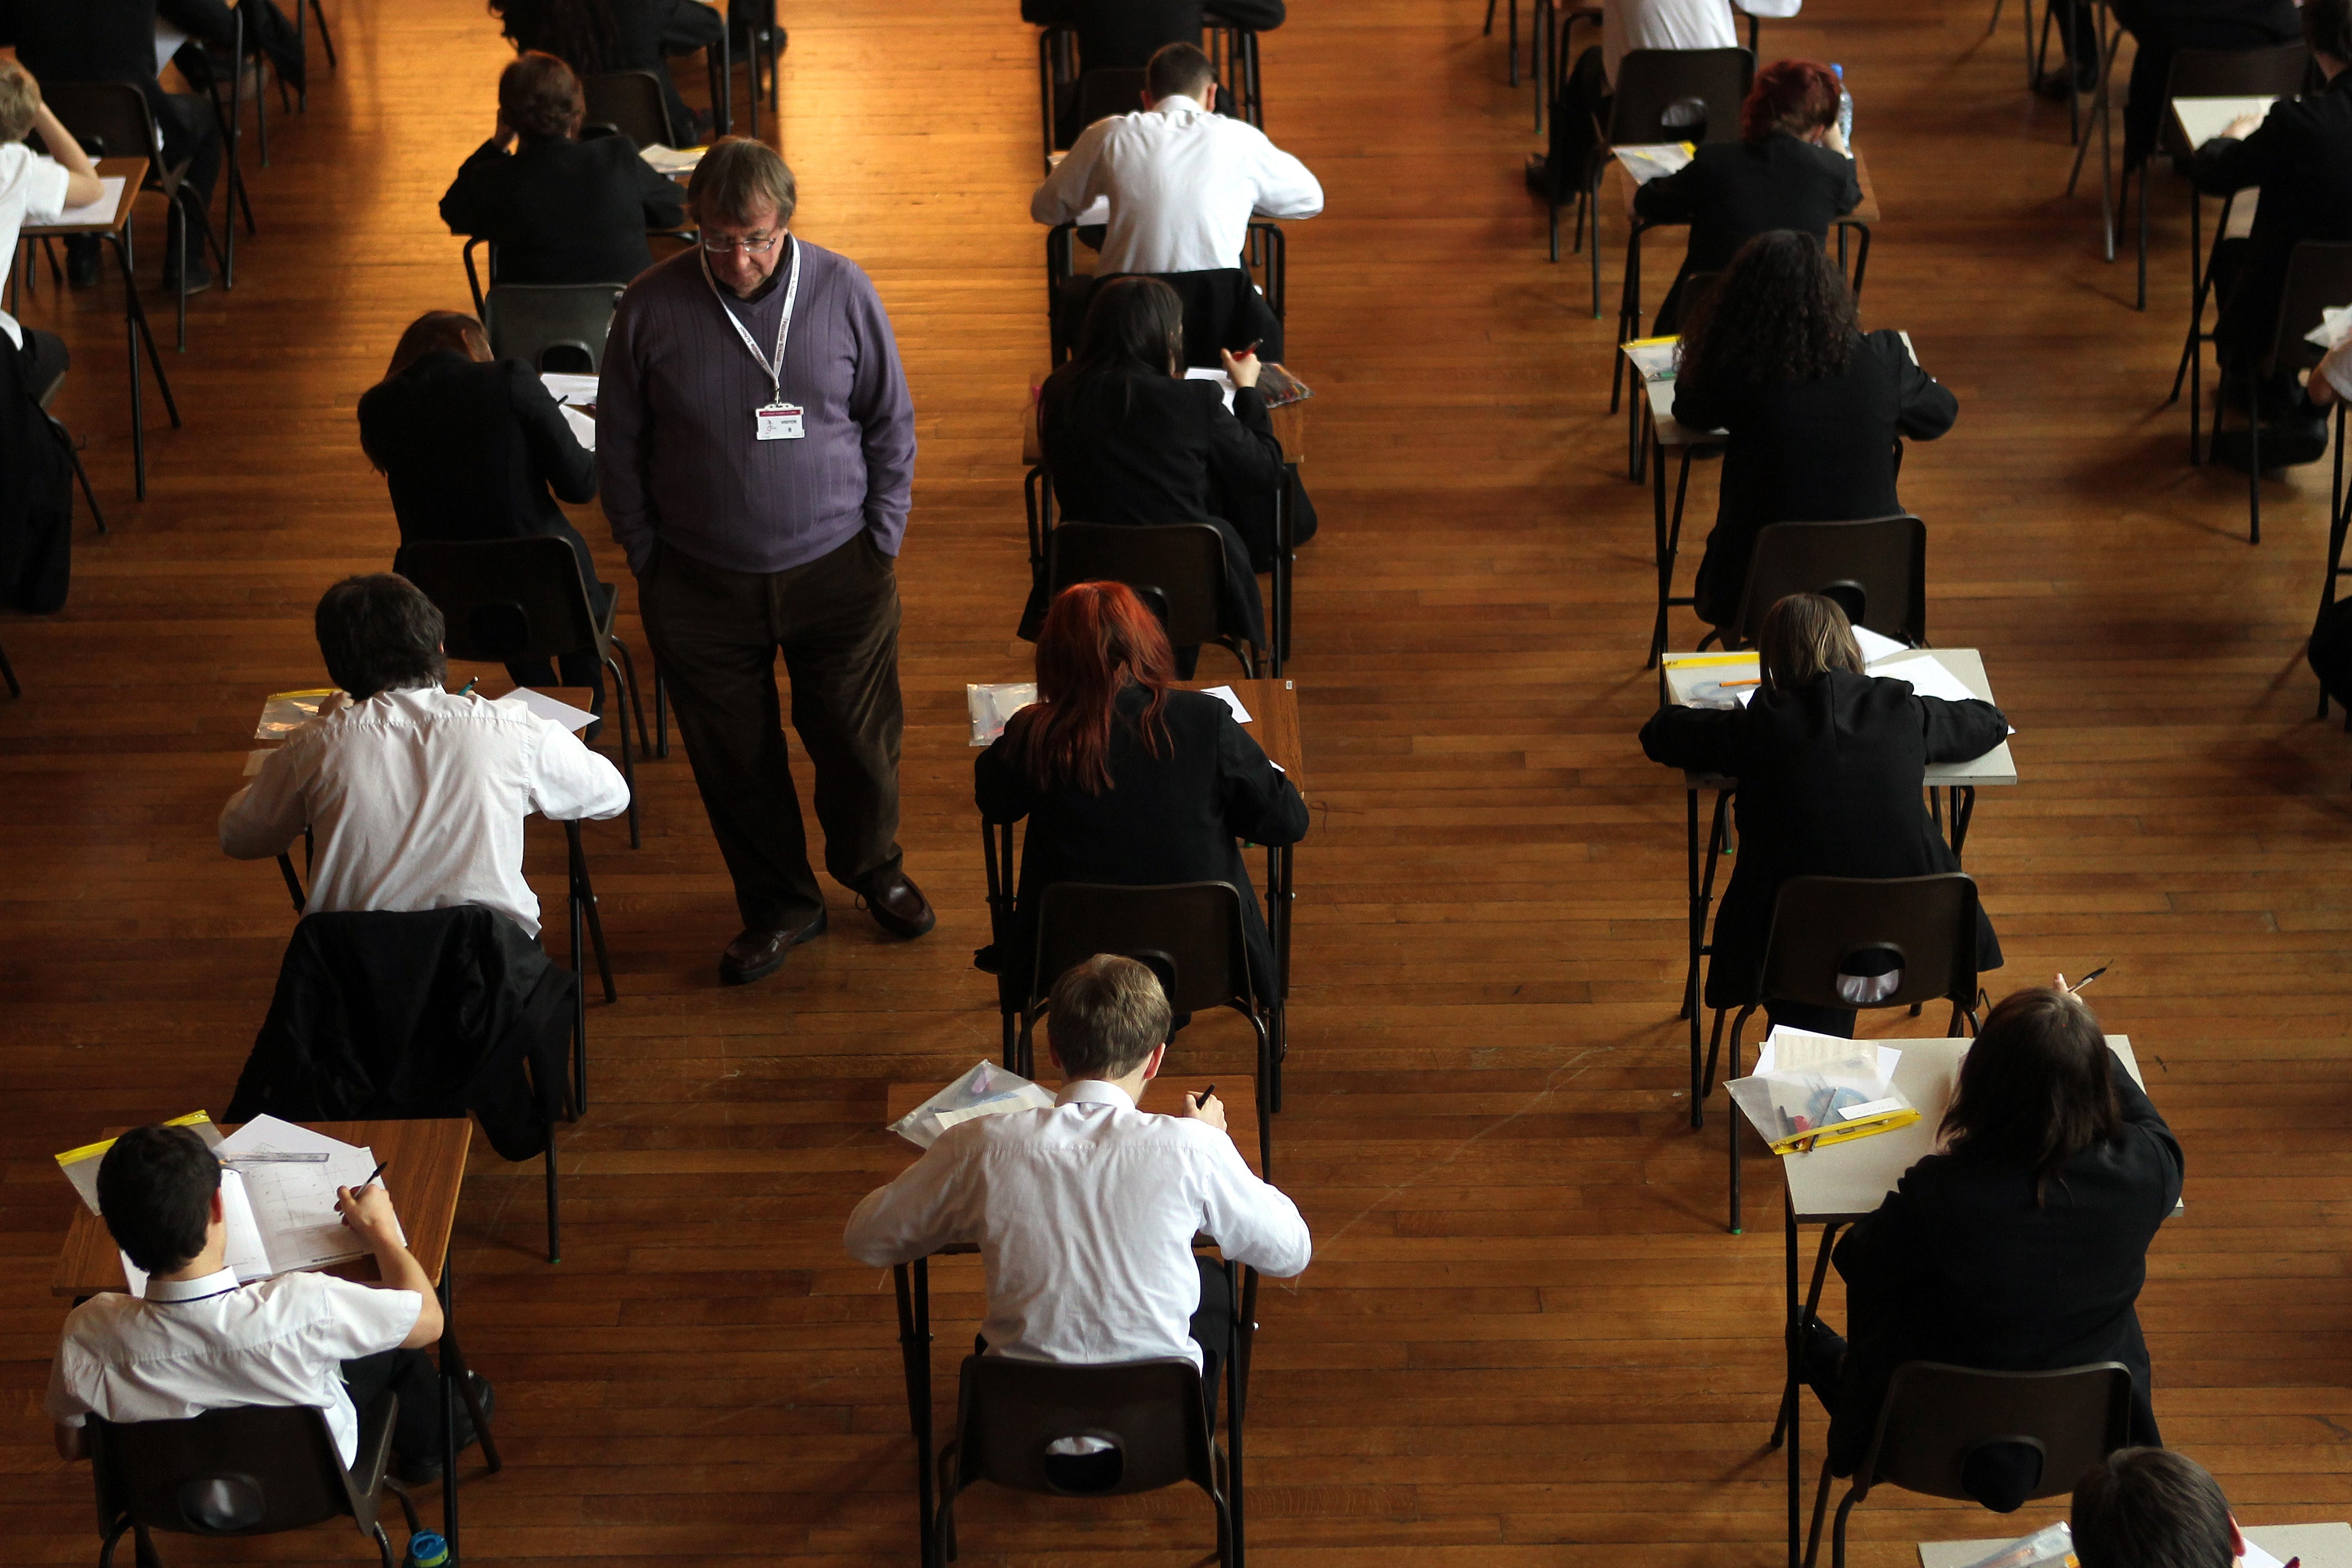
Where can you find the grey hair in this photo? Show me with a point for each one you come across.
(1108, 1015)
(737, 178)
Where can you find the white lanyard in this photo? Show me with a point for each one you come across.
(783, 328)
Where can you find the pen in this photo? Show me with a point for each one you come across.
(1205, 1096)
(374, 1173)
(2078, 985)
(1759, 681)
(470, 686)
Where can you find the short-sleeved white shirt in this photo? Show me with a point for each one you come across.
(32, 190)
(194, 1346)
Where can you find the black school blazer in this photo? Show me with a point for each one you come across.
(1171, 819)
(561, 211)
(1815, 451)
(1961, 1265)
(1731, 192)
(1829, 779)
(2301, 156)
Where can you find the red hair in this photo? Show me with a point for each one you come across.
(1794, 96)
(1097, 640)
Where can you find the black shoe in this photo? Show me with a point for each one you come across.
(1537, 174)
(81, 261)
(197, 271)
(423, 1469)
(898, 906)
(756, 955)
(2288, 444)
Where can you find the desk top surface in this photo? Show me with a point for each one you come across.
(1847, 1181)
(133, 173)
(1273, 719)
(1996, 767)
(2319, 1546)
(1237, 1092)
(427, 1164)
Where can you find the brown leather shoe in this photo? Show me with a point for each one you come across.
(756, 955)
(898, 906)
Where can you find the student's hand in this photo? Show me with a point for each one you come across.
(2245, 125)
(1242, 369)
(1835, 140)
(368, 1211)
(1204, 1107)
(503, 133)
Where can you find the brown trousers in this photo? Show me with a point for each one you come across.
(715, 634)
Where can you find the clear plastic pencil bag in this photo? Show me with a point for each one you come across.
(1821, 1096)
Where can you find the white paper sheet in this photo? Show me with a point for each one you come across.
(1650, 160)
(1231, 700)
(1194, 373)
(1875, 647)
(99, 211)
(1796, 1050)
(569, 386)
(294, 1204)
(1928, 677)
(584, 429)
(547, 707)
(673, 161)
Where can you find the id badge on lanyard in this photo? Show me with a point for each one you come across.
(774, 420)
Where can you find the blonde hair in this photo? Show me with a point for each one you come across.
(1804, 637)
(19, 98)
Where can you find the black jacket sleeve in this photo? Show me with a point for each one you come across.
(1243, 456)
(1260, 802)
(2227, 164)
(686, 27)
(1701, 405)
(999, 786)
(1960, 732)
(1849, 195)
(2142, 1121)
(569, 468)
(1697, 738)
(1671, 199)
(663, 198)
(1924, 407)
(468, 204)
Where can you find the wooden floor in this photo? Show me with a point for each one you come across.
(1525, 1338)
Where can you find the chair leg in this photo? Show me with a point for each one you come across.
(383, 1546)
(1593, 207)
(1554, 227)
(73, 455)
(2253, 457)
(637, 702)
(554, 1226)
(1731, 1112)
(1714, 1044)
(1837, 1537)
(628, 759)
(1820, 1508)
(326, 38)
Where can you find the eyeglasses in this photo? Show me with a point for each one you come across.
(729, 247)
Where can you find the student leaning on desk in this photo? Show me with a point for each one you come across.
(200, 1341)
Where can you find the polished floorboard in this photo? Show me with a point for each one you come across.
(1525, 1338)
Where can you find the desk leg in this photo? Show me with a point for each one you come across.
(584, 895)
(1792, 1391)
(1964, 809)
(1663, 557)
(135, 329)
(1237, 1406)
(1285, 528)
(1696, 936)
(914, 1285)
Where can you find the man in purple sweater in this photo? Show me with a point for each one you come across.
(755, 449)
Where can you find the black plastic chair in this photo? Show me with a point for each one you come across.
(1663, 95)
(244, 1470)
(1832, 944)
(2318, 278)
(1179, 568)
(1877, 567)
(114, 117)
(633, 103)
(551, 326)
(1149, 1414)
(1103, 93)
(506, 600)
(761, 39)
(2211, 73)
(1937, 1417)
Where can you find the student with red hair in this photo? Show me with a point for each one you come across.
(1790, 169)
(1124, 779)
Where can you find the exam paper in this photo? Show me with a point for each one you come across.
(294, 1204)
(1928, 677)
(1649, 161)
(584, 429)
(1801, 1051)
(1231, 700)
(1194, 373)
(1875, 647)
(546, 707)
(569, 386)
(102, 210)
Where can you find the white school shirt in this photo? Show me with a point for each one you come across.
(32, 190)
(1085, 1215)
(194, 1346)
(416, 801)
(1676, 25)
(1182, 185)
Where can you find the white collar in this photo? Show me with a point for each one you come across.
(1178, 103)
(1095, 1092)
(219, 1282)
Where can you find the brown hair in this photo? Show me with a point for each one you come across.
(1097, 640)
(1804, 637)
(1178, 70)
(18, 99)
(736, 178)
(1107, 1014)
(1794, 96)
(2035, 1089)
(437, 331)
(2151, 1507)
(541, 99)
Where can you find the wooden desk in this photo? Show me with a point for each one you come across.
(115, 229)
(427, 1160)
(2319, 1546)
(1835, 1186)
(913, 1285)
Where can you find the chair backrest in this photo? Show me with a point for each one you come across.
(1197, 925)
(1936, 1416)
(2230, 73)
(541, 323)
(1012, 1414)
(633, 103)
(1103, 93)
(2318, 278)
(1662, 93)
(1222, 310)
(1182, 562)
(111, 118)
(1857, 941)
(249, 1470)
(1884, 558)
(504, 600)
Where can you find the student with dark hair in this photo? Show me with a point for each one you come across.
(555, 208)
(1085, 1214)
(1125, 780)
(473, 448)
(2160, 28)
(1790, 170)
(594, 36)
(1831, 761)
(1129, 440)
(1776, 356)
(2021, 1248)
(2153, 1508)
(414, 798)
(198, 1338)
(2300, 155)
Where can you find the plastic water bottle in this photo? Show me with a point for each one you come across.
(426, 1550)
(1845, 107)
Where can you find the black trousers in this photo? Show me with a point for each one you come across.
(42, 359)
(411, 1374)
(716, 633)
(1212, 1327)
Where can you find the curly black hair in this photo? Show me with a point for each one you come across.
(1779, 313)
